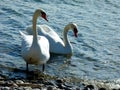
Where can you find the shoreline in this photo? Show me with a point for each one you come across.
(48, 83)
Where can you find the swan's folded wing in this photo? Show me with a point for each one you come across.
(50, 33)
(26, 42)
(48, 30)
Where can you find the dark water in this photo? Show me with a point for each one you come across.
(96, 50)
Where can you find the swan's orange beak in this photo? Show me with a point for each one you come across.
(44, 16)
(75, 32)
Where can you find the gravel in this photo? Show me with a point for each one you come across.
(44, 83)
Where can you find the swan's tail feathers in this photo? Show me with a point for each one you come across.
(22, 34)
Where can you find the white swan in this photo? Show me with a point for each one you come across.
(35, 49)
(57, 45)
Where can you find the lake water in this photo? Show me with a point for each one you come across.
(96, 51)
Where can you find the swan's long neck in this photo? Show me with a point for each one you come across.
(65, 38)
(35, 39)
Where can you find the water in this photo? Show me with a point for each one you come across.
(96, 50)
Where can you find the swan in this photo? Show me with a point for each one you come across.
(57, 45)
(35, 49)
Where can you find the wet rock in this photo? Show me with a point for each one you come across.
(68, 85)
(19, 82)
(20, 88)
(59, 81)
(1, 77)
(4, 88)
(2, 82)
(50, 83)
(41, 80)
(86, 88)
(61, 86)
(27, 88)
(51, 88)
(91, 87)
(37, 89)
(78, 88)
(23, 88)
(14, 88)
(102, 89)
(43, 88)
(10, 82)
(14, 85)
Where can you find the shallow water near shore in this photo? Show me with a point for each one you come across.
(96, 51)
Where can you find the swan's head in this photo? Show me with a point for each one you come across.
(75, 31)
(73, 26)
(41, 13)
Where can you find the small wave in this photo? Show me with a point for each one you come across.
(111, 3)
(15, 51)
(33, 0)
(88, 47)
(9, 10)
(73, 2)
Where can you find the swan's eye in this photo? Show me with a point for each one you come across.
(75, 32)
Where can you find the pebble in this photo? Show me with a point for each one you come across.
(91, 87)
(27, 88)
(5, 88)
(102, 89)
(19, 81)
(51, 88)
(14, 85)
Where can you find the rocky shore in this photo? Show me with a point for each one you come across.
(45, 83)
(41, 84)
(42, 81)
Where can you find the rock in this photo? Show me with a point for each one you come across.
(51, 88)
(59, 81)
(78, 88)
(101, 89)
(50, 83)
(20, 88)
(14, 85)
(91, 87)
(36, 89)
(43, 88)
(4, 88)
(2, 82)
(19, 82)
(68, 85)
(27, 88)
(61, 86)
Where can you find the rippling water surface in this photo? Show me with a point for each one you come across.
(96, 50)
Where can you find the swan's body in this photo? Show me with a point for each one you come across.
(57, 45)
(35, 49)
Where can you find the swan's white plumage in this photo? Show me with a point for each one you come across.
(35, 49)
(57, 45)
(38, 53)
